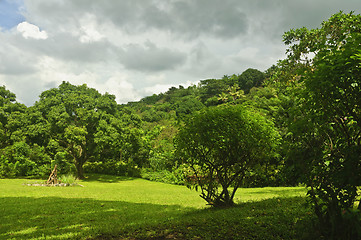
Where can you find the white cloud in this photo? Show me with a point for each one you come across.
(162, 88)
(119, 85)
(89, 29)
(29, 30)
(15, 61)
(158, 88)
(54, 72)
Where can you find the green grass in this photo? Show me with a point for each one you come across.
(126, 208)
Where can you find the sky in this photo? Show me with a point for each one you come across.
(137, 48)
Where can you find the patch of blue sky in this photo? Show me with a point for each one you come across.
(11, 13)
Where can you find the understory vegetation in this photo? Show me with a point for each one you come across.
(297, 123)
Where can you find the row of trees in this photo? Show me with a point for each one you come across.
(76, 127)
(298, 122)
(69, 126)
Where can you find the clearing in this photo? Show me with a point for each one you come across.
(110, 207)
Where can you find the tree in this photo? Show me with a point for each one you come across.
(251, 78)
(234, 95)
(331, 81)
(72, 114)
(210, 89)
(220, 144)
(120, 140)
(6, 96)
(186, 106)
(18, 156)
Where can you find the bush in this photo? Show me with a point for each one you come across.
(20, 159)
(164, 176)
(118, 168)
(221, 144)
(6, 168)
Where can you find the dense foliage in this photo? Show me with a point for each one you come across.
(311, 100)
(69, 126)
(80, 129)
(330, 130)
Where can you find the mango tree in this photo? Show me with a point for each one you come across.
(72, 114)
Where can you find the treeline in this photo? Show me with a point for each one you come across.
(164, 114)
(81, 130)
(68, 126)
(312, 98)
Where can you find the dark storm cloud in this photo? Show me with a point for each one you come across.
(194, 18)
(71, 49)
(221, 19)
(150, 58)
(64, 46)
(310, 13)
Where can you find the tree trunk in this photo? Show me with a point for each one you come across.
(224, 199)
(79, 160)
(79, 170)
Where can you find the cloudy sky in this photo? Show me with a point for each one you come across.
(134, 48)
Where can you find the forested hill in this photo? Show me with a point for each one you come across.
(182, 101)
(81, 130)
(163, 114)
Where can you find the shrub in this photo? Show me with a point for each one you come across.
(221, 144)
(68, 179)
(173, 177)
(20, 159)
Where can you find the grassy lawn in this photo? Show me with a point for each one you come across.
(124, 208)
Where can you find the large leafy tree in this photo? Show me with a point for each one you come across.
(73, 114)
(326, 64)
(221, 144)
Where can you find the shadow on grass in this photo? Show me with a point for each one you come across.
(61, 218)
(106, 178)
(278, 218)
